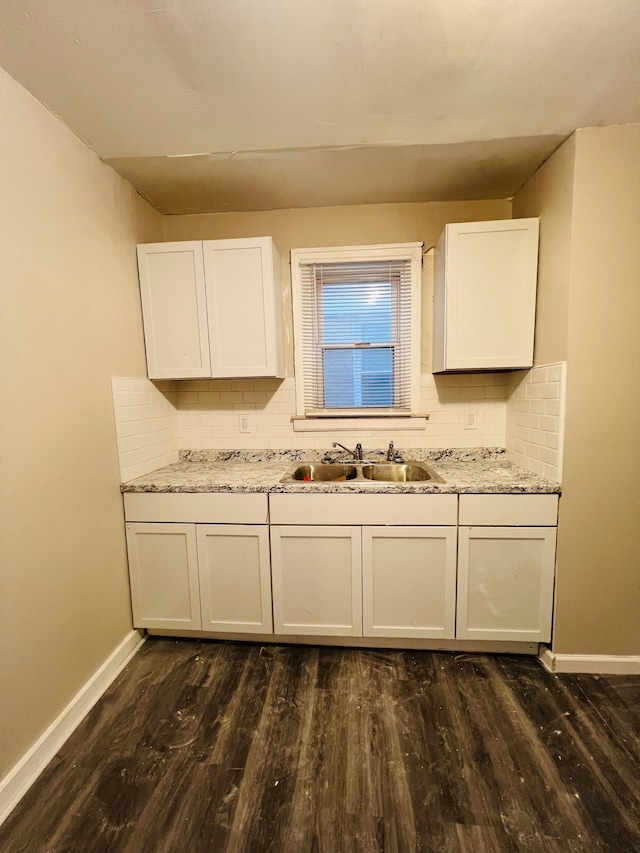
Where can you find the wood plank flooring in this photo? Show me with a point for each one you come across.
(203, 747)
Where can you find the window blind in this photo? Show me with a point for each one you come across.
(356, 336)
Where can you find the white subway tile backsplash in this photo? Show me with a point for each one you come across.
(147, 428)
(133, 384)
(551, 391)
(164, 417)
(552, 439)
(555, 372)
(549, 456)
(550, 424)
(535, 419)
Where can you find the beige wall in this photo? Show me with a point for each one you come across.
(588, 198)
(598, 589)
(549, 195)
(70, 320)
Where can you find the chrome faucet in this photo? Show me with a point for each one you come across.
(392, 454)
(357, 453)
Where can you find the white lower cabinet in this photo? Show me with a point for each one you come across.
(235, 582)
(209, 577)
(505, 583)
(317, 580)
(388, 566)
(364, 580)
(163, 572)
(409, 581)
(506, 573)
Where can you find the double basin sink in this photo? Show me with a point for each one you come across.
(387, 472)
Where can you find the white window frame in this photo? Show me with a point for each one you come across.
(341, 254)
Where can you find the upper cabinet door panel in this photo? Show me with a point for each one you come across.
(243, 307)
(485, 294)
(174, 310)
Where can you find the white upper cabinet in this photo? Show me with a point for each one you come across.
(212, 309)
(244, 307)
(174, 310)
(485, 276)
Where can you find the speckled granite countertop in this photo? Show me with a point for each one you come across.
(477, 470)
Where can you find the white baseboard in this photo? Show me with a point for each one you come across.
(595, 664)
(18, 781)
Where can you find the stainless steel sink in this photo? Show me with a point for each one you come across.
(387, 472)
(396, 472)
(311, 473)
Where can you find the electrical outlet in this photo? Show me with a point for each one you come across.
(244, 424)
(470, 419)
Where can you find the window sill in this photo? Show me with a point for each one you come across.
(416, 423)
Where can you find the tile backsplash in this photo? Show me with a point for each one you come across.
(522, 411)
(210, 412)
(147, 425)
(535, 419)
(154, 420)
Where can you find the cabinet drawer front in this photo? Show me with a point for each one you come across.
(202, 508)
(363, 509)
(505, 510)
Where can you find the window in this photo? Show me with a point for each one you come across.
(357, 330)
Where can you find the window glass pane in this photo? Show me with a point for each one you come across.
(356, 312)
(355, 378)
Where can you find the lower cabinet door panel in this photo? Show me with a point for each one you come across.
(235, 584)
(163, 569)
(409, 581)
(505, 583)
(317, 582)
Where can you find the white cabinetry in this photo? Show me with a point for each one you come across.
(163, 571)
(199, 576)
(317, 581)
(212, 308)
(411, 566)
(409, 581)
(235, 582)
(485, 276)
(506, 569)
(337, 571)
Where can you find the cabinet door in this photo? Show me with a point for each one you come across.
(505, 583)
(317, 583)
(485, 276)
(409, 581)
(163, 569)
(235, 583)
(243, 307)
(174, 310)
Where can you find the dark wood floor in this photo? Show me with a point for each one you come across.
(211, 747)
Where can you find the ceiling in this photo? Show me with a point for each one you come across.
(214, 105)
